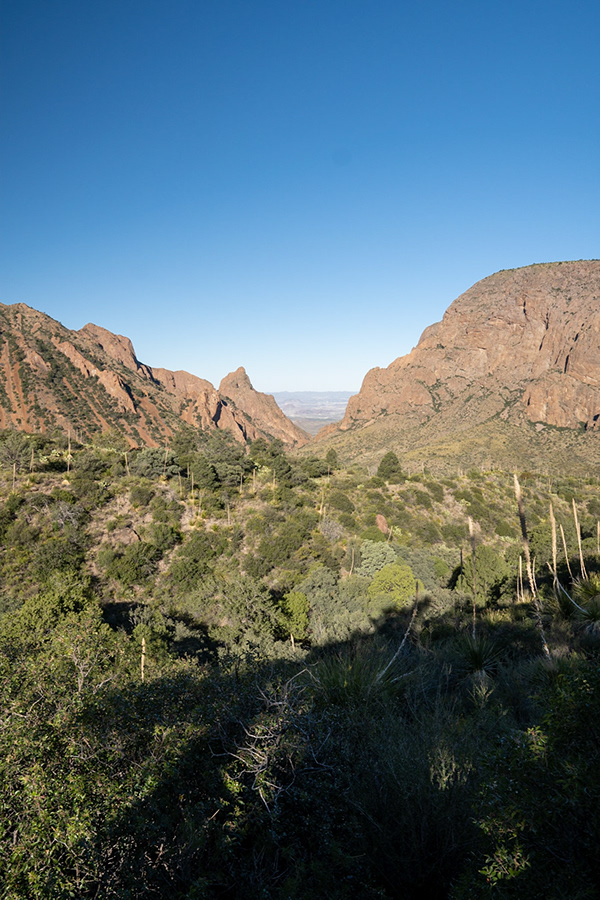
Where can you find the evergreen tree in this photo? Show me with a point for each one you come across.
(390, 469)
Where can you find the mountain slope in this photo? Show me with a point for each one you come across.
(90, 381)
(522, 346)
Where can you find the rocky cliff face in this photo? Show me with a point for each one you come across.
(521, 343)
(238, 393)
(91, 381)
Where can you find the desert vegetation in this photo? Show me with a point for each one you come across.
(240, 673)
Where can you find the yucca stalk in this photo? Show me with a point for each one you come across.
(557, 586)
(564, 543)
(520, 591)
(383, 672)
(578, 532)
(537, 604)
(473, 552)
(554, 550)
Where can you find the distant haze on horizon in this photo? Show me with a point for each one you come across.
(297, 188)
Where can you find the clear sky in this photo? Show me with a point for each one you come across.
(296, 186)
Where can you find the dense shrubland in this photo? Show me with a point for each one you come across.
(238, 674)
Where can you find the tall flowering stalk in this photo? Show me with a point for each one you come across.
(537, 603)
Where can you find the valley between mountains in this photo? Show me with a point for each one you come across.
(241, 661)
(511, 375)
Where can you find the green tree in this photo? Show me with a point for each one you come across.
(273, 457)
(331, 458)
(15, 450)
(340, 500)
(491, 572)
(184, 445)
(248, 616)
(374, 556)
(294, 607)
(205, 474)
(152, 462)
(390, 469)
(394, 585)
(314, 467)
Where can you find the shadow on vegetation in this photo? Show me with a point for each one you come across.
(332, 778)
(365, 768)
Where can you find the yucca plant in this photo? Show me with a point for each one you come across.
(479, 657)
(586, 592)
(546, 672)
(357, 676)
(560, 604)
(586, 589)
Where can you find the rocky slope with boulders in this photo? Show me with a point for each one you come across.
(90, 381)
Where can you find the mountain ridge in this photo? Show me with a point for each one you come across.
(516, 358)
(90, 381)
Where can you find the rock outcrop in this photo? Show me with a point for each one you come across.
(90, 381)
(261, 412)
(523, 342)
(116, 346)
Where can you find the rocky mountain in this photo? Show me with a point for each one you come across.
(90, 381)
(521, 347)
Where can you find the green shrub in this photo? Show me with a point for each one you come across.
(373, 534)
(442, 569)
(436, 490)
(56, 553)
(315, 467)
(195, 559)
(505, 529)
(348, 521)
(163, 536)
(153, 462)
(341, 501)
(141, 495)
(294, 608)
(454, 533)
(423, 499)
(374, 555)
(131, 566)
(539, 801)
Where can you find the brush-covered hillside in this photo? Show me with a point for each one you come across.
(245, 674)
(90, 382)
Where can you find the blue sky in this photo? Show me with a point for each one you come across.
(296, 186)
